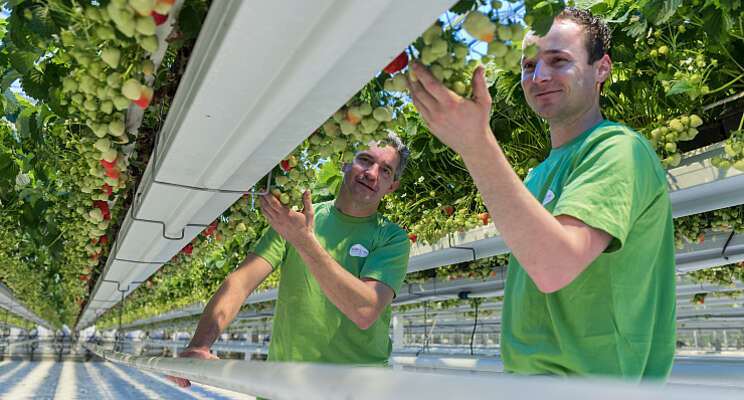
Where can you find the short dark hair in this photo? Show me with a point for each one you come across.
(403, 153)
(597, 35)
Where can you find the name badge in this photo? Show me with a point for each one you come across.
(358, 250)
(548, 197)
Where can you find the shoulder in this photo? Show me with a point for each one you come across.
(619, 140)
(390, 231)
(322, 209)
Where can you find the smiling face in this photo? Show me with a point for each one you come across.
(370, 176)
(559, 83)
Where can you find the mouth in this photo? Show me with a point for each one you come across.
(545, 93)
(365, 185)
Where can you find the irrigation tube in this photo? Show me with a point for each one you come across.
(283, 381)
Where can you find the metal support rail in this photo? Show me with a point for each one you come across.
(278, 381)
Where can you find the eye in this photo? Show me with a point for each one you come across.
(528, 65)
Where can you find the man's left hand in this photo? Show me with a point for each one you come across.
(461, 124)
(295, 227)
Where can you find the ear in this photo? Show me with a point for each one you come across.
(393, 186)
(604, 68)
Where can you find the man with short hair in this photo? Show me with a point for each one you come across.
(341, 264)
(590, 288)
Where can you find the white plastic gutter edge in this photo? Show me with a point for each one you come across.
(279, 381)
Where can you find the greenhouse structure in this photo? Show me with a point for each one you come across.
(140, 138)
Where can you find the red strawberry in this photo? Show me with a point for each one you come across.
(472, 273)
(83, 278)
(112, 173)
(351, 117)
(449, 210)
(80, 303)
(145, 97)
(285, 165)
(484, 217)
(702, 301)
(245, 195)
(413, 238)
(188, 249)
(702, 238)
(95, 256)
(459, 276)
(107, 189)
(107, 164)
(103, 240)
(397, 64)
(94, 240)
(159, 18)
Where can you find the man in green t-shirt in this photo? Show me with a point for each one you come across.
(590, 288)
(341, 265)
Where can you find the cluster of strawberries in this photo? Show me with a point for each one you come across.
(187, 249)
(209, 231)
(104, 207)
(111, 170)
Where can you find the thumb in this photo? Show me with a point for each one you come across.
(307, 204)
(480, 90)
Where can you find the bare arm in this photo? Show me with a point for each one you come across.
(362, 300)
(223, 307)
(552, 250)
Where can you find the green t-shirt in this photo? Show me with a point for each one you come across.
(308, 326)
(618, 317)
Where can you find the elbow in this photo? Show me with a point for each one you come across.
(552, 278)
(364, 321)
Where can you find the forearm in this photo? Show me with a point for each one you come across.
(225, 304)
(351, 295)
(536, 238)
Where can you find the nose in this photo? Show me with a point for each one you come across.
(541, 72)
(371, 172)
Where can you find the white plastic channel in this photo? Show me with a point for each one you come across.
(280, 381)
(10, 303)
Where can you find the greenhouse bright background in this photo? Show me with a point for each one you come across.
(136, 134)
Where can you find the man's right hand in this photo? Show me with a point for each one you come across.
(191, 353)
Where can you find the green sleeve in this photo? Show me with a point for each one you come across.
(389, 263)
(610, 185)
(271, 247)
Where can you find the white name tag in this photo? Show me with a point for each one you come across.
(358, 250)
(548, 197)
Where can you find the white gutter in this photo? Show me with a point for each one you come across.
(10, 303)
(280, 381)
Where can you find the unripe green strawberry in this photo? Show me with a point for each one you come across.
(330, 128)
(132, 89)
(431, 33)
(284, 198)
(147, 67)
(347, 128)
(497, 49)
(691, 133)
(675, 159)
(399, 83)
(663, 50)
(107, 107)
(513, 57)
(479, 26)
(531, 50)
(121, 103)
(671, 147)
(684, 120)
(388, 85)
(365, 109)
(369, 124)
(338, 144)
(504, 32)
(91, 105)
(339, 116)
(149, 43)
(116, 128)
(517, 32)
(739, 164)
(143, 7)
(113, 80)
(105, 32)
(729, 149)
(102, 93)
(69, 85)
(439, 48)
(111, 56)
(281, 180)
(459, 88)
(382, 114)
(676, 125)
(145, 25)
(428, 55)
(695, 121)
(102, 145)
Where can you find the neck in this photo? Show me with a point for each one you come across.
(563, 131)
(346, 205)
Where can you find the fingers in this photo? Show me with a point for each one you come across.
(420, 97)
(436, 89)
(184, 383)
(480, 89)
(307, 204)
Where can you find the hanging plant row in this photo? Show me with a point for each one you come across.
(65, 158)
